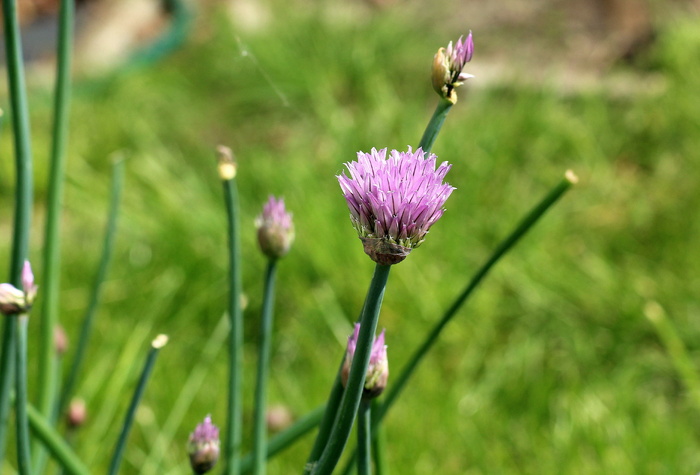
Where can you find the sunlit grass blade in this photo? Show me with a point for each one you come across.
(159, 342)
(107, 251)
(23, 197)
(676, 349)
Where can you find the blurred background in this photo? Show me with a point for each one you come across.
(557, 365)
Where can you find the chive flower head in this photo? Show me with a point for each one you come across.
(394, 201)
(14, 301)
(204, 446)
(275, 229)
(377, 370)
(448, 65)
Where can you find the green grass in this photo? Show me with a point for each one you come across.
(551, 368)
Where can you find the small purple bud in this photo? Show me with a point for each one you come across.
(204, 446)
(275, 229)
(377, 370)
(448, 64)
(278, 417)
(77, 413)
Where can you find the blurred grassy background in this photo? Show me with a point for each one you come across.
(551, 368)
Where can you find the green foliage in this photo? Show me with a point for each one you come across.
(551, 368)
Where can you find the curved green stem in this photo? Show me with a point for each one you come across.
(48, 365)
(156, 345)
(330, 410)
(23, 457)
(364, 438)
(23, 198)
(353, 391)
(232, 446)
(525, 225)
(107, 250)
(260, 427)
(435, 124)
(58, 447)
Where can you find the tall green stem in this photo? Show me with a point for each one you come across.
(158, 343)
(106, 258)
(330, 410)
(364, 438)
(353, 391)
(396, 387)
(435, 124)
(23, 198)
(233, 426)
(23, 458)
(260, 427)
(378, 444)
(48, 364)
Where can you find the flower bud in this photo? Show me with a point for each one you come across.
(60, 340)
(204, 446)
(377, 370)
(278, 417)
(77, 413)
(275, 229)
(14, 301)
(227, 164)
(448, 64)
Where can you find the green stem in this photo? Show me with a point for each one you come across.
(287, 437)
(23, 457)
(364, 438)
(156, 345)
(435, 124)
(44, 431)
(107, 251)
(48, 360)
(378, 444)
(524, 226)
(397, 386)
(260, 427)
(234, 422)
(353, 391)
(23, 198)
(331, 409)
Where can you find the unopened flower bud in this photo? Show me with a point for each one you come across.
(275, 229)
(227, 164)
(377, 370)
(60, 340)
(14, 301)
(77, 413)
(278, 417)
(448, 64)
(204, 446)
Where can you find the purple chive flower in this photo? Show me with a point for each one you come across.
(394, 201)
(378, 369)
(204, 446)
(448, 65)
(275, 229)
(14, 301)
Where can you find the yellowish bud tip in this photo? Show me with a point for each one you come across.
(571, 177)
(653, 311)
(160, 341)
(227, 164)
